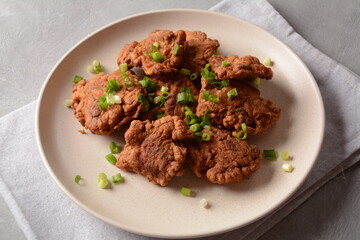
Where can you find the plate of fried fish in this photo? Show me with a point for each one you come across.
(180, 123)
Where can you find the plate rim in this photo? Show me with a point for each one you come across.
(161, 235)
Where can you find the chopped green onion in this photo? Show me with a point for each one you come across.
(150, 97)
(182, 98)
(198, 134)
(287, 167)
(111, 158)
(176, 50)
(114, 148)
(213, 98)
(77, 179)
(91, 68)
(225, 83)
(270, 154)
(77, 79)
(207, 127)
(267, 62)
(102, 180)
(193, 76)
(186, 89)
(160, 100)
(186, 191)
(117, 178)
(96, 63)
(232, 93)
(206, 136)
(217, 53)
(110, 99)
(68, 103)
(238, 109)
(195, 127)
(243, 133)
(285, 156)
(206, 95)
(207, 74)
(117, 99)
(123, 67)
(155, 46)
(224, 63)
(157, 56)
(257, 82)
(148, 84)
(164, 89)
(141, 99)
(128, 82)
(204, 203)
(103, 104)
(97, 68)
(206, 119)
(185, 72)
(112, 86)
(190, 98)
(160, 114)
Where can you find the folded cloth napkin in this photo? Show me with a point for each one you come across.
(43, 211)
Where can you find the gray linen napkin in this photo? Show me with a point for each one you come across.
(43, 211)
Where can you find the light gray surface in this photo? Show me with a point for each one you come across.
(331, 26)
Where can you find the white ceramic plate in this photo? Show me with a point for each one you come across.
(144, 208)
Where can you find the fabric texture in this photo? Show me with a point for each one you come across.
(43, 211)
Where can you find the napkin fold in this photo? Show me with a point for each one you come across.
(43, 211)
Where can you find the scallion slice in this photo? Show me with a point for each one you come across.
(186, 191)
(185, 72)
(232, 93)
(111, 158)
(123, 67)
(213, 98)
(112, 86)
(257, 82)
(117, 178)
(91, 68)
(159, 100)
(176, 50)
(193, 76)
(195, 127)
(205, 95)
(68, 103)
(224, 63)
(285, 156)
(102, 180)
(243, 133)
(270, 154)
(103, 102)
(225, 83)
(206, 136)
(287, 167)
(110, 99)
(217, 53)
(182, 98)
(148, 84)
(141, 99)
(77, 179)
(114, 148)
(77, 79)
(155, 46)
(160, 114)
(157, 57)
(267, 62)
(207, 74)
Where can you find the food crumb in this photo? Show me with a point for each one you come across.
(82, 131)
(204, 203)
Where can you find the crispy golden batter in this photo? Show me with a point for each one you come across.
(223, 159)
(86, 94)
(153, 149)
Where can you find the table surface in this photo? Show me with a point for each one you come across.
(331, 26)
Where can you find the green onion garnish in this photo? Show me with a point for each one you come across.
(185, 72)
(117, 178)
(287, 167)
(111, 158)
(77, 79)
(112, 86)
(185, 89)
(95, 67)
(103, 102)
(182, 98)
(176, 50)
(267, 61)
(160, 114)
(213, 98)
(110, 99)
(206, 95)
(193, 76)
(157, 56)
(123, 67)
(207, 74)
(270, 154)
(186, 191)
(148, 84)
(195, 127)
(243, 133)
(155, 46)
(91, 68)
(285, 156)
(224, 63)
(206, 136)
(257, 82)
(68, 103)
(141, 99)
(102, 180)
(225, 83)
(114, 148)
(190, 98)
(206, 119)
(77, 179)
(217, 53)
(232, 93)
(159, 100)
(164, 89)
